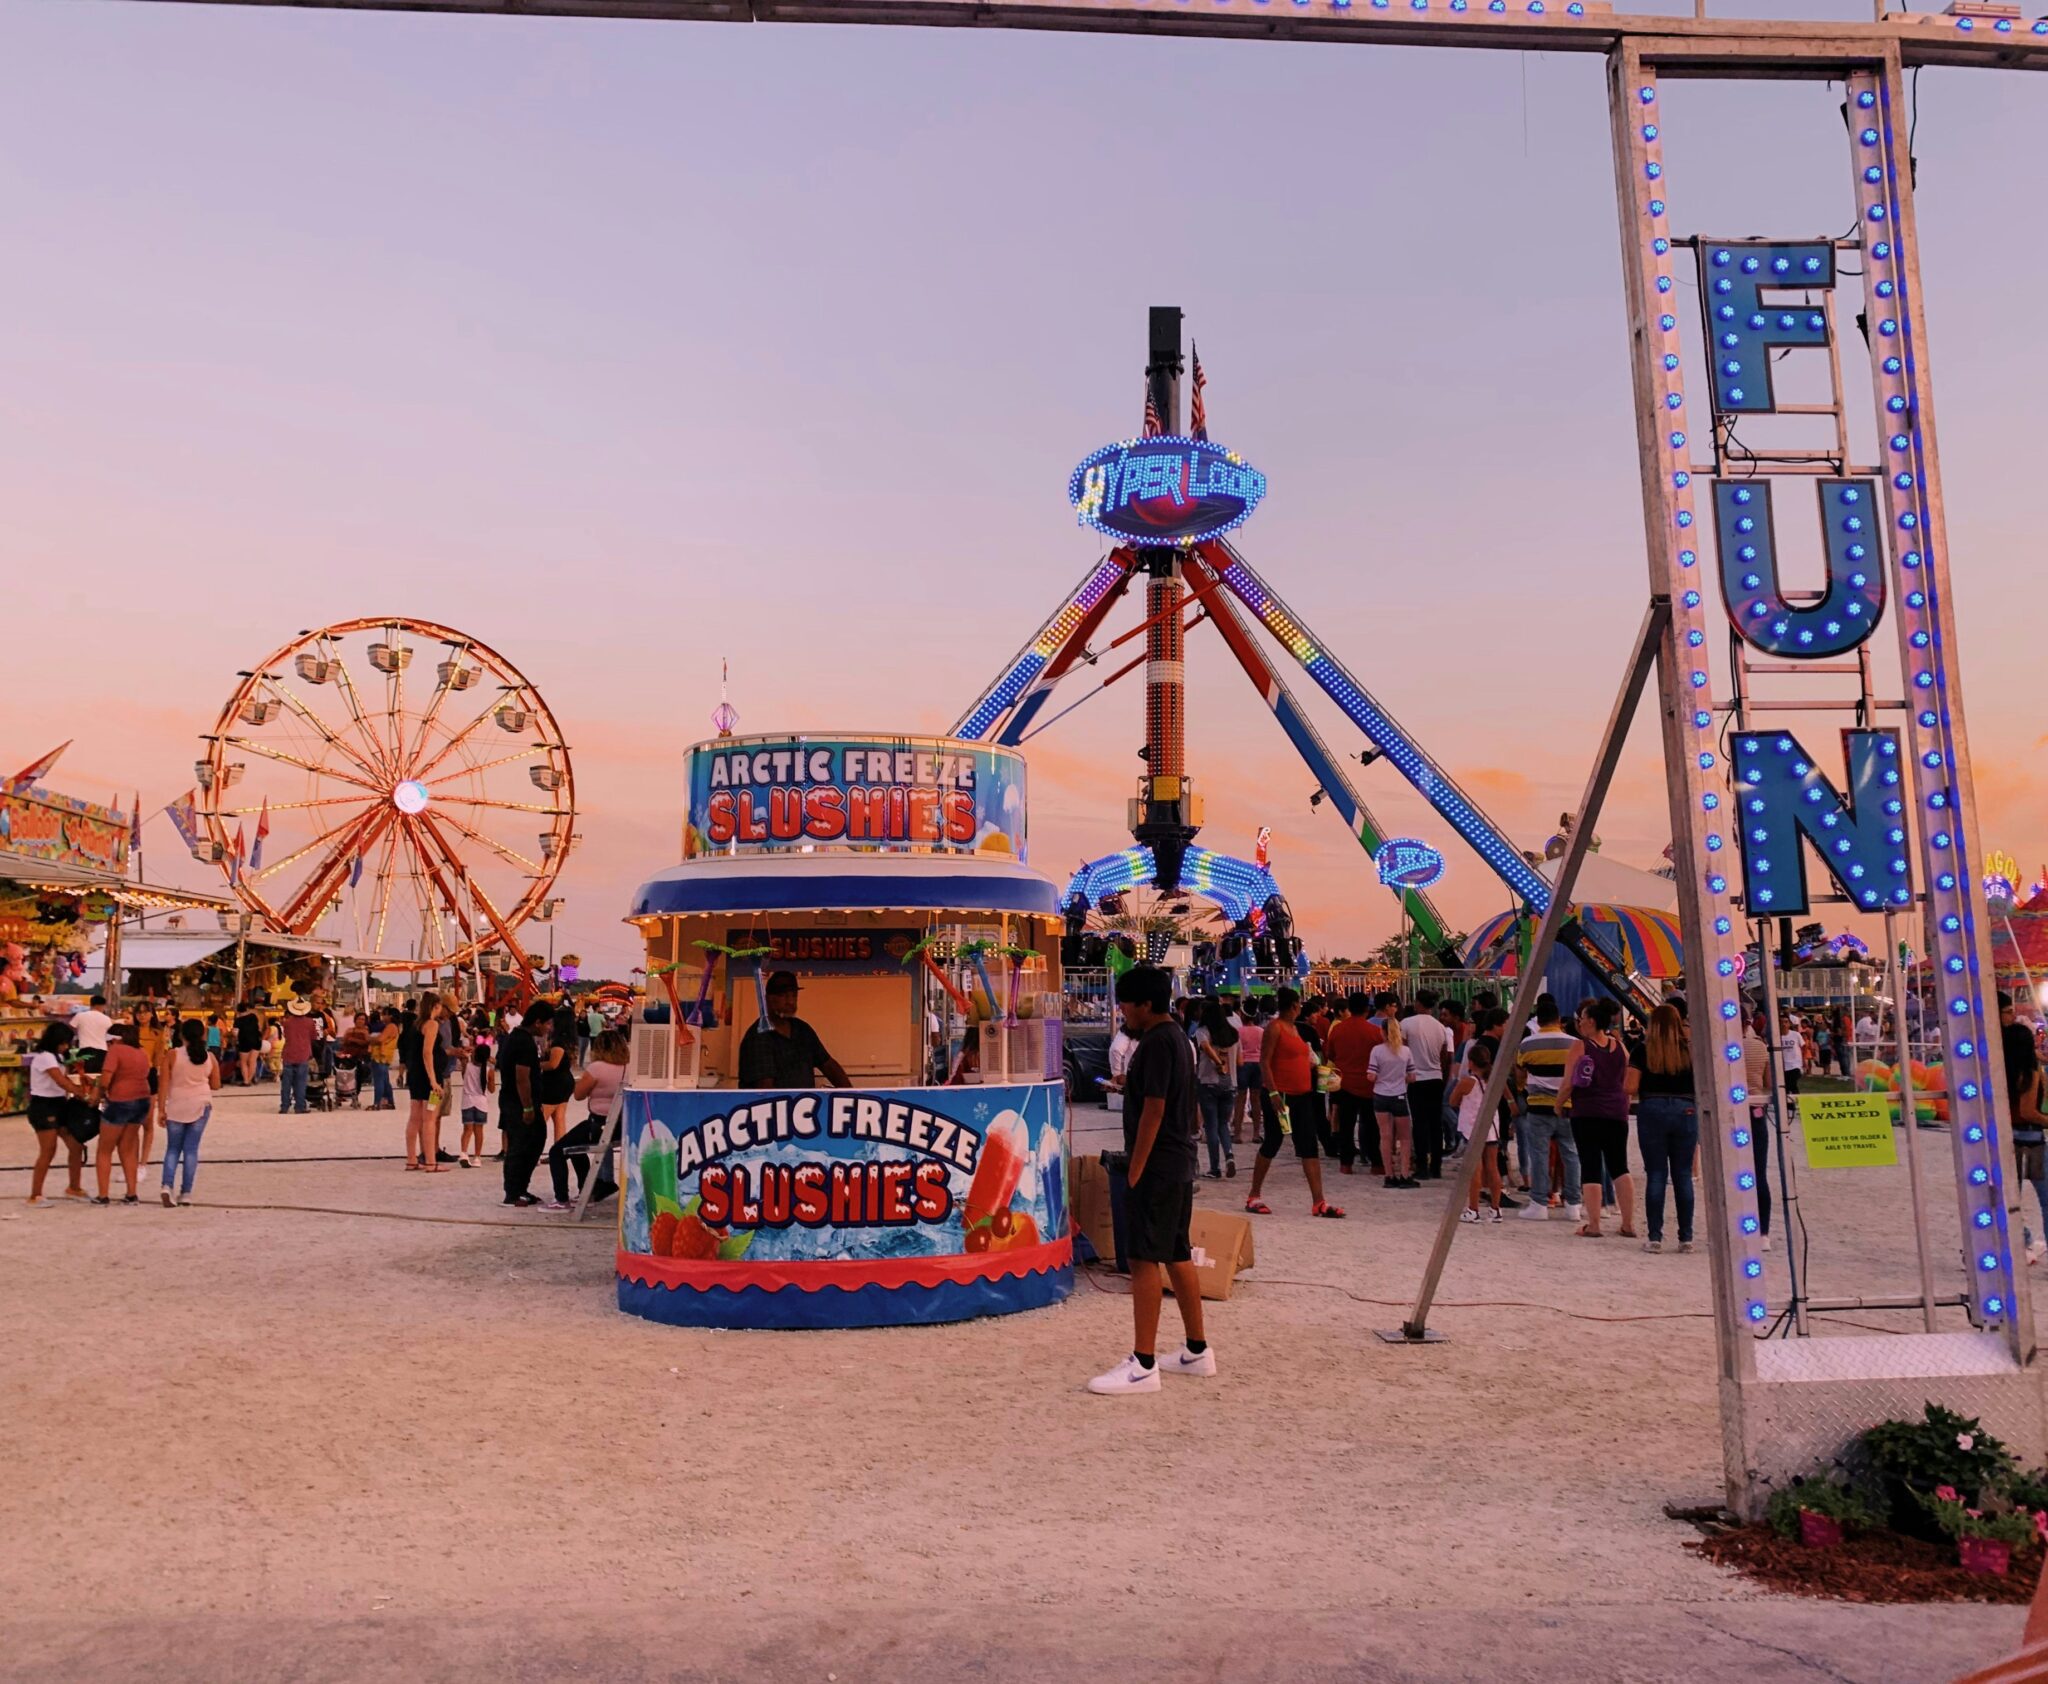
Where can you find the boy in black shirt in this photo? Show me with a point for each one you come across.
(519, 1101)
(1160, 1135)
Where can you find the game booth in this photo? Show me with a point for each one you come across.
(888, 874)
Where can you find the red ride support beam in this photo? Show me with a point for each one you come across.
(1165, 679)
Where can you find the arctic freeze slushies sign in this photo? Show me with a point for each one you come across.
(923, 794)
(843, 1207)
(831, 1173)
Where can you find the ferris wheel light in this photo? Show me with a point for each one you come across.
(410, 797)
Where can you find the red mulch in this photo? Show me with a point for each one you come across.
(1868, 1567)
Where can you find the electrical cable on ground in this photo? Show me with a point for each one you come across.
(1445, 1303)
(538, 1226)
(336, 1158)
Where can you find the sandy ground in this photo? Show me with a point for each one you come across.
(408, 1435)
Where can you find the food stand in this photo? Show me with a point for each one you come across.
(888, 873)
(64, 890)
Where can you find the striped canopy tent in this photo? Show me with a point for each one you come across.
(1645, 941)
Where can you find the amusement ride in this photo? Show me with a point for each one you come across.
(429, 802)
(1170, 500)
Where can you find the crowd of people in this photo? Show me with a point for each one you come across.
(1398, 1089)
(1376, 1085)
(96, 1080)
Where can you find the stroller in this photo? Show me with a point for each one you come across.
(319, 1087)
(348, 1077)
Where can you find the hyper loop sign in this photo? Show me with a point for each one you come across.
(1165, 490)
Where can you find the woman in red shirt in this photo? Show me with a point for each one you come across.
(124, 1094)
(1290, 1071)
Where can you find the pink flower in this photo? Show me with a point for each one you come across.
(1947, 1493)
(1974, 1514)
(1966, 1441)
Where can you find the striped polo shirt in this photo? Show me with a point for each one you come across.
(1541, 1058)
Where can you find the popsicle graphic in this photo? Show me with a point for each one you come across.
(1004, 1149)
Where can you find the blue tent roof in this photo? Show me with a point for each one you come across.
(850, 882)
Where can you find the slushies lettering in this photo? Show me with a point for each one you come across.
(877, 1193)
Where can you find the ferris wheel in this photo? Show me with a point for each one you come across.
(395, 781)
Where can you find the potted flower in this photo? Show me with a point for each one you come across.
(1910, 1459)
(1818, 1512)
(1984, 1538)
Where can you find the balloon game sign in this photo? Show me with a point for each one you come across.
(894, 794)
(62, 830)
(843, 1207)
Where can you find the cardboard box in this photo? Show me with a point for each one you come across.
(1088, 1199)
(1222, 1245)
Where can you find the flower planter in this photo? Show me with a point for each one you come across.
(1983, 1555)
(1819, 1531)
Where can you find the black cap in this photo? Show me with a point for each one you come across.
(782, 982)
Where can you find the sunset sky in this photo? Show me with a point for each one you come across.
(628, 347)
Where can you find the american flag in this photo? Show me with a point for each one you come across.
(262, 830)
(241, 854)
(1152, 426)
(1198, 411)
(355, 874)
(135, 825)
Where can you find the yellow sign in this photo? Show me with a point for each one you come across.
(1847, 1130)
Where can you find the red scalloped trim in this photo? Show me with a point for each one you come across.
(846, 1273)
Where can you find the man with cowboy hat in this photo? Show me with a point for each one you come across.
(299, 1030)
(783, 1051)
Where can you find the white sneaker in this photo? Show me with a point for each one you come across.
(1535, 1213)
(164, 1193)
(1130, 1375)
(1468, 1215)
(1491, 1213)
(1576, 1213)
(1203, 1367)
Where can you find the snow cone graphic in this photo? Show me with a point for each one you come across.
(1052, 1177)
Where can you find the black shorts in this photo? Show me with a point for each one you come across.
(1603, 1145)
(1156, 1216)
(44, 1115)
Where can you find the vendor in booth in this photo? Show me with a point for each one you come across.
(784, 1051)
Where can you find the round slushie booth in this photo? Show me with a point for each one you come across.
(887, 874)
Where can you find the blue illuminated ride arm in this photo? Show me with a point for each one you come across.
(1028, 679)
